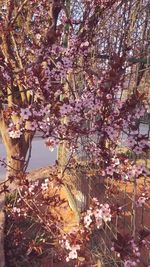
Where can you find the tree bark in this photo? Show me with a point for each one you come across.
(16, 149)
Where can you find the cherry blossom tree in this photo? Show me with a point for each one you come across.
(39, 74)
(27, 30)
(70, 71)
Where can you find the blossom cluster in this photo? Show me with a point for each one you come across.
(98, 213)
(129, 250)
(62, 89)
(74, 242)
(143, 198)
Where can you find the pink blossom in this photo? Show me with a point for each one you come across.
(73, 252)
(65, 109)
(131, 142)
(45, 185)
(17, 210)
(50, 143)
(15, 134)
(85, 44)
(109, 96)
(110, 170)
(97, 213)
(137, 150)
(38, 36)
(99, 222)
(72, 255)
(116, 161)
(106, 213)
(129, 263)
(87, 220)
(141, 201)
(31, 126)
(25, 113)
(67, 245)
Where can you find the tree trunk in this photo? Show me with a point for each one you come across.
(16, 149)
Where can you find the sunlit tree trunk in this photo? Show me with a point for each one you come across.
(63, 151)
(16, 149)
(16, 93)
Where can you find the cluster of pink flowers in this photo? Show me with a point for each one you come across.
(138, 143)
(17, 210)
(129, 250)
(130, 263)
(72, 249)
(15, 133)
(25, 113)
(29, 119)
(75, 241)
(51, 143)
(75, 102)
(141, 200)
(98, 213)
(45, 185)
(143, 197)
(134, 260)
